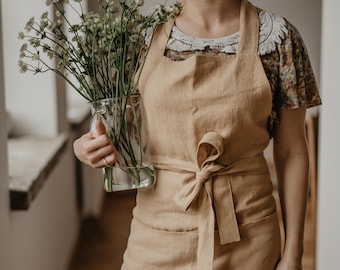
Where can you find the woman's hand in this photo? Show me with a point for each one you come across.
(289, 263)
(95, 150)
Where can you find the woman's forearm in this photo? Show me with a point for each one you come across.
(292, 174)
(292, 168)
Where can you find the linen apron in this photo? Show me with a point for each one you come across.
(205, 129)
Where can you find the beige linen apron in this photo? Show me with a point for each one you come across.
(205, 129)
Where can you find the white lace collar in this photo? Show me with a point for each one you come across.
(272, 31)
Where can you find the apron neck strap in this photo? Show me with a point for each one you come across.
(161, 36)
(249, 29)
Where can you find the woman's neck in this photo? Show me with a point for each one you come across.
(209, 18)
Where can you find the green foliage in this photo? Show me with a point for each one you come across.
(99, 56)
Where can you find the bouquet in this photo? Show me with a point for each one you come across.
(100, 57)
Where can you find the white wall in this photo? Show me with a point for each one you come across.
(4, 198)
(328, 240)
(30, 100)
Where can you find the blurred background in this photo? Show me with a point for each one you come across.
(54, 213)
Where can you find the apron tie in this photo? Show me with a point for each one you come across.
(212, 190)
(209, 150)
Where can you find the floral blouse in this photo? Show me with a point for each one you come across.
(283, 55)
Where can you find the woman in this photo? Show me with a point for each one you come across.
(219, 81)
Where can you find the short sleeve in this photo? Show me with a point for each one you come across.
(297, 84)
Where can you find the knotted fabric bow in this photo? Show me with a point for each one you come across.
(210, 148)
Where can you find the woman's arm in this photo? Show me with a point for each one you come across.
(292, 167)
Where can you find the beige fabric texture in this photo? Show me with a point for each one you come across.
(205, 129)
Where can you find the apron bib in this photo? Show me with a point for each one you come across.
(204, 129)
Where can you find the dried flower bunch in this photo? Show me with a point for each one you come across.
(98, 56)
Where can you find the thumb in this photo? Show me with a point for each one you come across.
(100, 128)
(97, 128)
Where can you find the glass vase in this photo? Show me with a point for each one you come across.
(122, 120)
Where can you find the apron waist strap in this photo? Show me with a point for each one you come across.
(212, 189)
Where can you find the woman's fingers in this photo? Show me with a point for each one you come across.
(91, 143)
(92, 150)
(103, 156)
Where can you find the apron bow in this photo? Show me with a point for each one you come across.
(209, 150)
